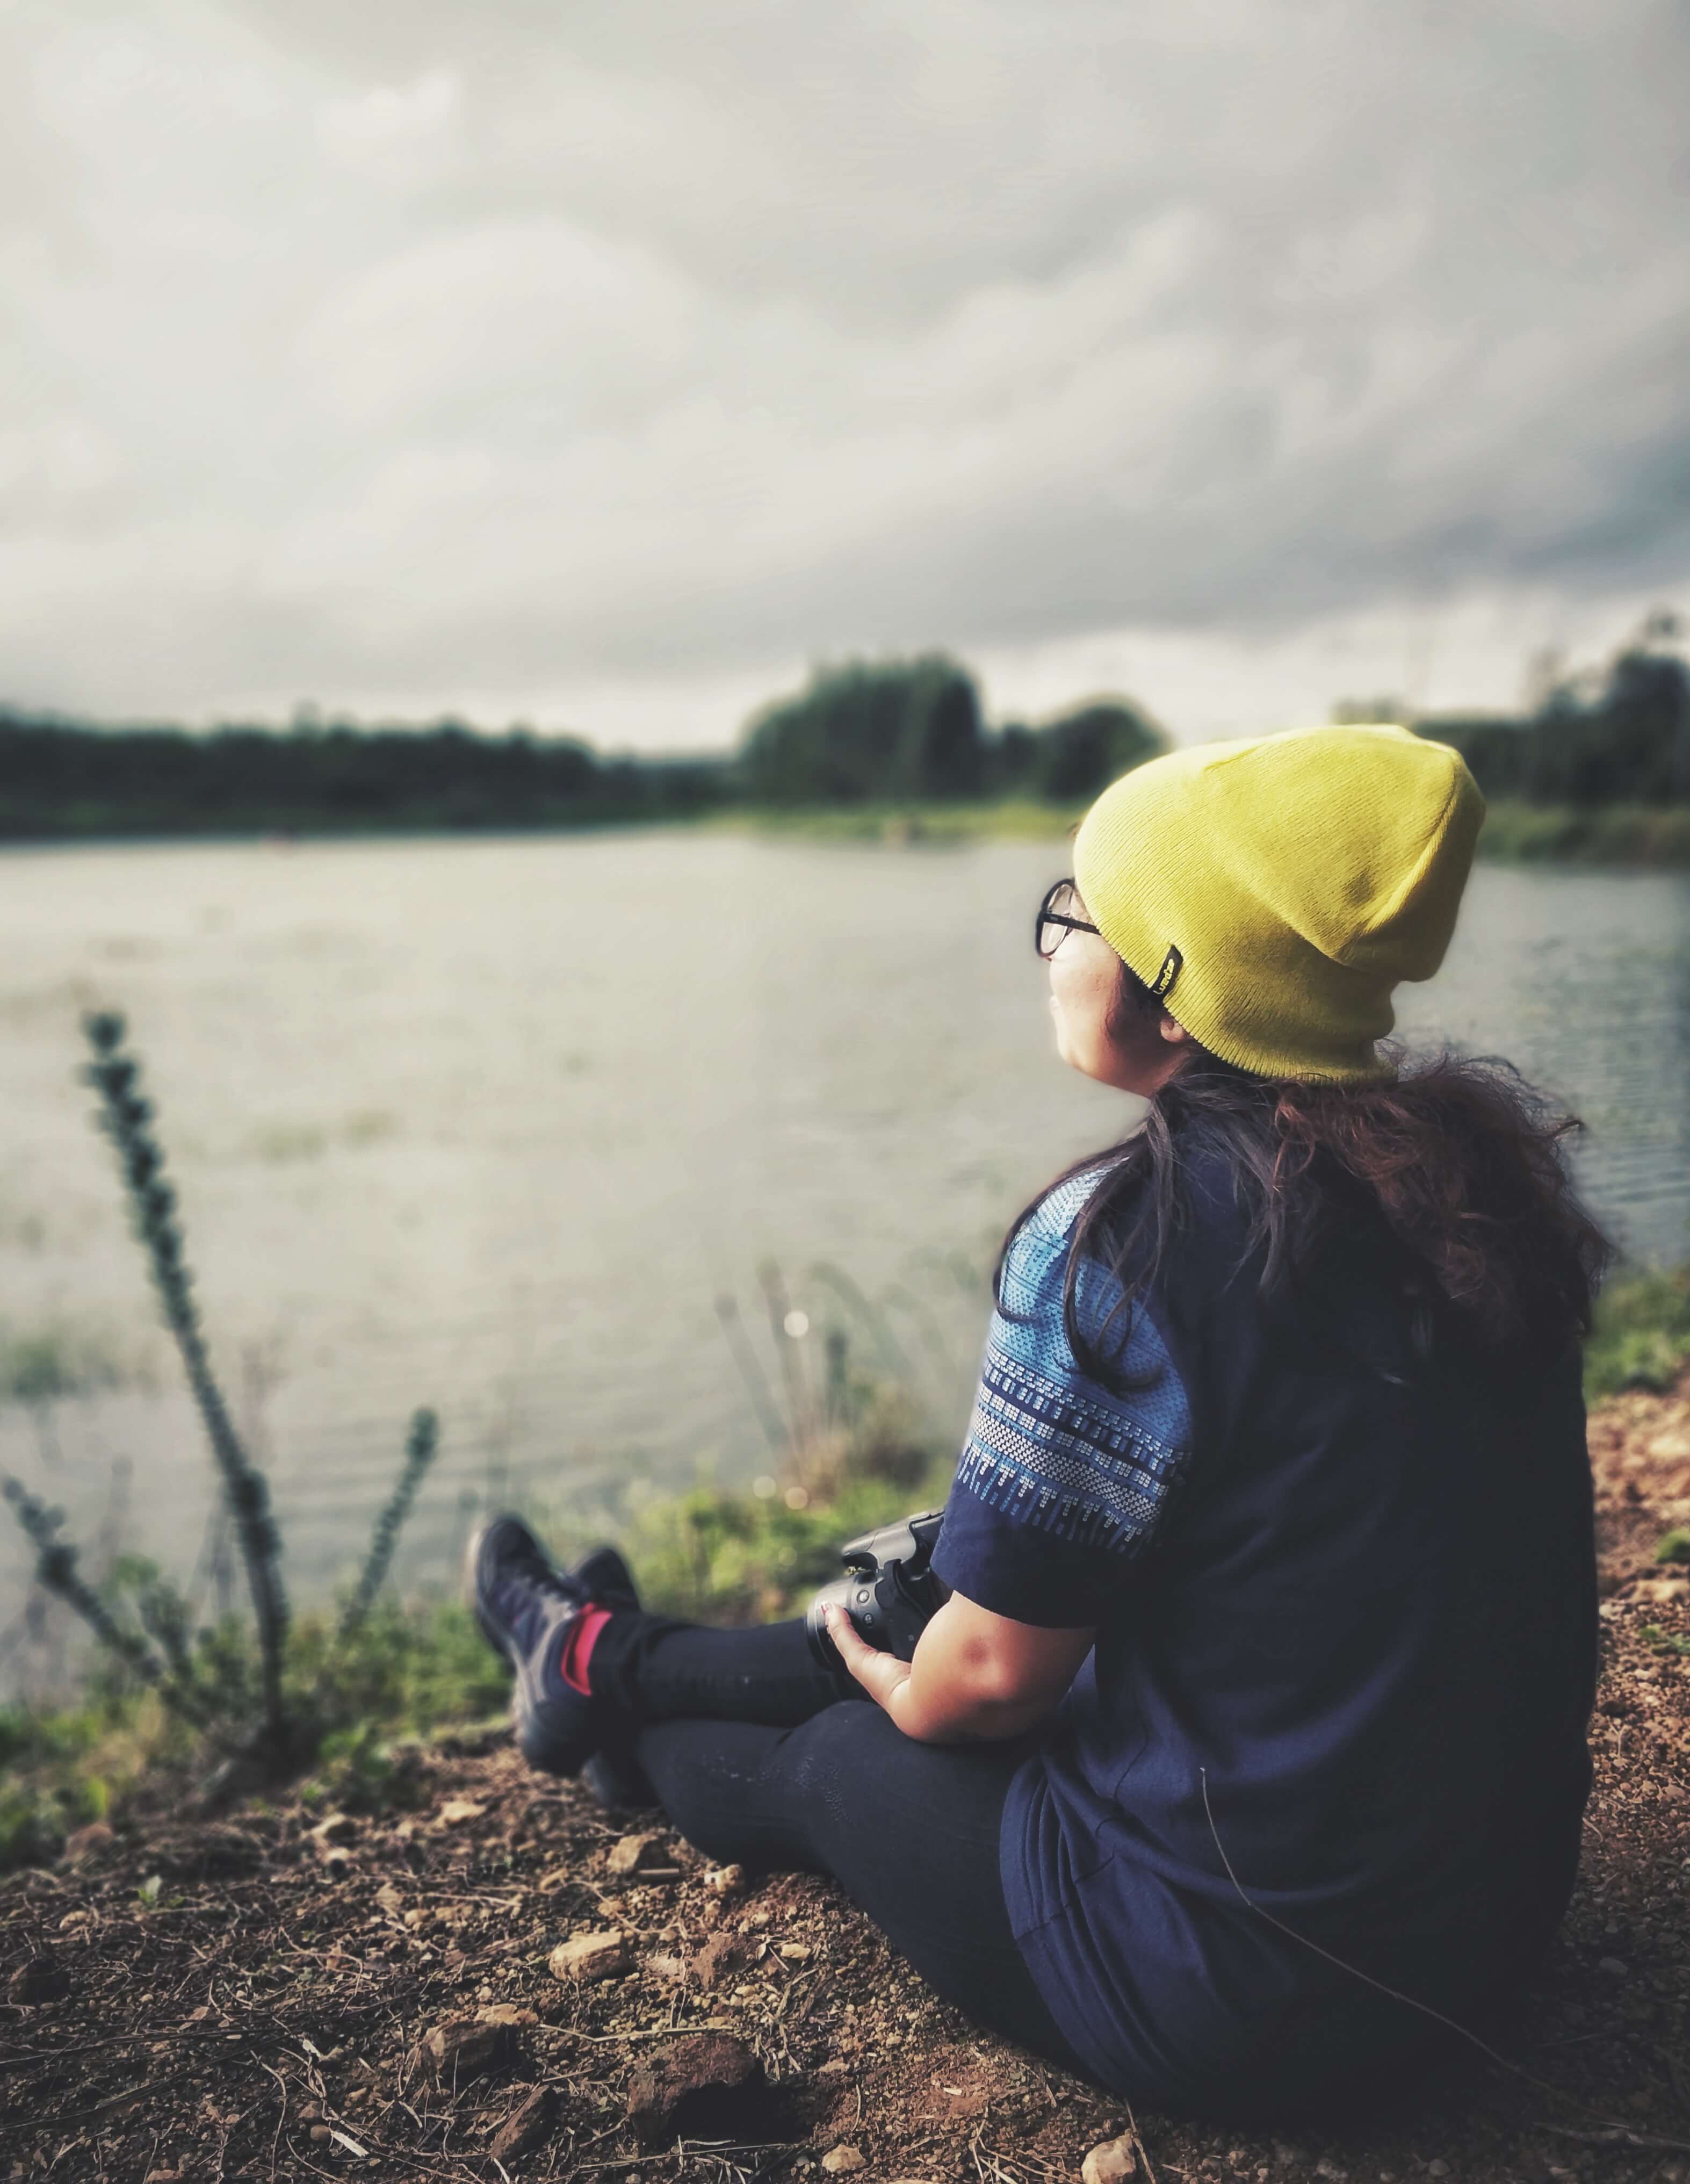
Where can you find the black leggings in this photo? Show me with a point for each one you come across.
(757, 1759)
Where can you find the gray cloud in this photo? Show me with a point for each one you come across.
(403, 354)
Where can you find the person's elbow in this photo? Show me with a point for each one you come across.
(977, 1676)
(998, 1680)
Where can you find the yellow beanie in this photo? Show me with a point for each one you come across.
(1273, 892)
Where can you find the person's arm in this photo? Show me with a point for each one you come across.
(976, 1676)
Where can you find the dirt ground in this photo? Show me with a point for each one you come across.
(271, 1996)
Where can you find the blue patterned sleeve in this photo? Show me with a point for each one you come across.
(1062, 1480)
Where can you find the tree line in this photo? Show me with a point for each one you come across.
(1617, 734)
(896, 731)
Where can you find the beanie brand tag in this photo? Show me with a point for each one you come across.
(1172, 963)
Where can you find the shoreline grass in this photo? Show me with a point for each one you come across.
(1628, 836)
(419, 1667)
(1620, 836)
(1616, 837)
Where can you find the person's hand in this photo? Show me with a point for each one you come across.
(879, 1673)
(976, 1675)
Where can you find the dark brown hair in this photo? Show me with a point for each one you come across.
(1460, 1159)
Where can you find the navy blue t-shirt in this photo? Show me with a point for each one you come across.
(1344, 1596)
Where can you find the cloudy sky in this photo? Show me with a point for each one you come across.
(601, 365)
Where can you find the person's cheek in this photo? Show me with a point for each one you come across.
(1075, 1003)
(1062, 1017)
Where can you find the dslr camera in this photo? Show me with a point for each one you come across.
(888, 1590)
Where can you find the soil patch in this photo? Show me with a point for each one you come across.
(281, 1994)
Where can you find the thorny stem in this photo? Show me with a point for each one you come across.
(419, 1452)
(56, 1570)
(126, 1118)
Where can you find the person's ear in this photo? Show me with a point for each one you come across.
(1174, 1033)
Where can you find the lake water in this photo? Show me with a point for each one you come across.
(491, 1125)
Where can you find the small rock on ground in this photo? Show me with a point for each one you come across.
(463, 2047)
(710, 2085)
(586, 1957)
(529, 2125)
(1115, 2159)
(634, 1852)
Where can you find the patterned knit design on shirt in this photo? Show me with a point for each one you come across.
(1049, 1446)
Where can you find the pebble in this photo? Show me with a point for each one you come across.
(705, 2085)
(1613, 1966)
(527, 2127)
(1111, 2162)
(463, 2047)
(590, 1956)
(1437, 2169)
(633, 1851)
(721, 1954)
(843, 2161)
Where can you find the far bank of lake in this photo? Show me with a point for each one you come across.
(1616, 837)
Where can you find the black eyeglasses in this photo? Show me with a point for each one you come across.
(1056, 919)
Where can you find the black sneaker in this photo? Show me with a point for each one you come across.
(607, 1579)
(525, 1606)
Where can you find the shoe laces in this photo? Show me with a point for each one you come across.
(526, 1592)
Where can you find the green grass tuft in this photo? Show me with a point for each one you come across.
(50, 1364)
(1642, 1335)
(741, 1558)
(406, 1670)
(1624, 834)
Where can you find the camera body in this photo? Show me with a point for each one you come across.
(888, 1590)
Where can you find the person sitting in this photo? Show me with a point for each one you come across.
(1252, 1732)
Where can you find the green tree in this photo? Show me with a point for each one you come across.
(869, 729)
(1620, 734)
(1079, 753)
